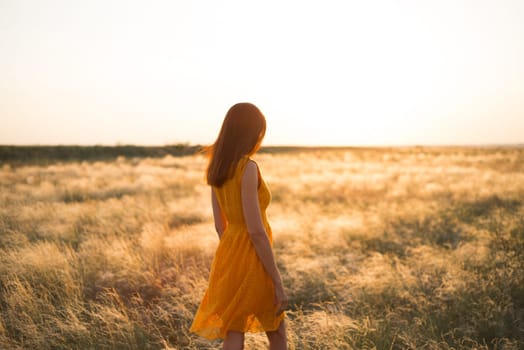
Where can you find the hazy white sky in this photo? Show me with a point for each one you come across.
(374, 72)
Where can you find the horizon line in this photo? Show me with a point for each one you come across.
(187, 144)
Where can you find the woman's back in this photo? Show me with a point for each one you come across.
(229, 198)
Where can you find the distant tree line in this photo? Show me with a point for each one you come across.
(10, 154)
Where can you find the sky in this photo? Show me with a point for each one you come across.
(374, 72)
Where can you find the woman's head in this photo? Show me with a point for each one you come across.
(241, 134)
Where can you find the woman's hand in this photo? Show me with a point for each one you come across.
(280, 299)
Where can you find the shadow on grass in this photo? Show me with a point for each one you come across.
(470, 211)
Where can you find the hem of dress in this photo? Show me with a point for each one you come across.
(204, 332)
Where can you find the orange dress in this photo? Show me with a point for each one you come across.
(240, 295)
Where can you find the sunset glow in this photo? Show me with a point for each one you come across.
(330, 73)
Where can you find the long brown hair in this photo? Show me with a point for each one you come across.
(241, 134)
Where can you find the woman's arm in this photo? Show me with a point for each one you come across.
(257, 232)
(218, 216)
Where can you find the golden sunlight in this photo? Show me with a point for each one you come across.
(353, 73)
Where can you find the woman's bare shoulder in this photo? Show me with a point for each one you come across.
(251, 169)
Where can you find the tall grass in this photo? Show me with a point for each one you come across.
(407, 248)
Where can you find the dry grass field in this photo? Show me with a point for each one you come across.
(398, 248)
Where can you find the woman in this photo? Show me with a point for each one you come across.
(245, 292)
